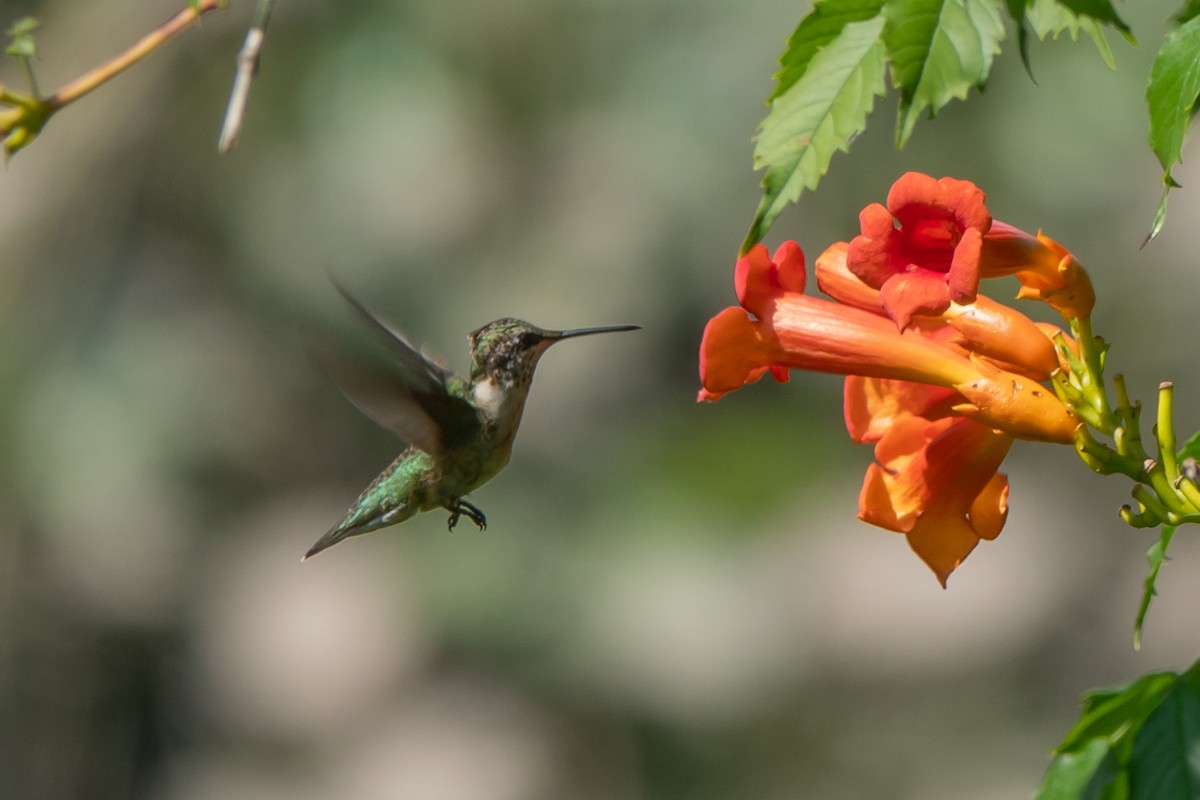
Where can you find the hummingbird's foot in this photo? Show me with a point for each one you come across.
(463, 508)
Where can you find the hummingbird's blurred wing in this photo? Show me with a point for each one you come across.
(420, 401)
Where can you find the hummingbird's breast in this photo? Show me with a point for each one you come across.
(471, 464)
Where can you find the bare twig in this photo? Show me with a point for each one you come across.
(22, 116)
(247, 68)
(149, 43)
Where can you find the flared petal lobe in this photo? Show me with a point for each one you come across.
(936, 481)
(759, 280)
(923, 250)
(872, 406)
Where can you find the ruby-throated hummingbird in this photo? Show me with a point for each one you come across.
(460, 431)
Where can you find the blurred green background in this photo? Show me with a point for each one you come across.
(672, 600)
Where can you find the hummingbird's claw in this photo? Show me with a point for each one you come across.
(463, 508)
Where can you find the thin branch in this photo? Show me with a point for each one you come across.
(247, 68)
(110, 69)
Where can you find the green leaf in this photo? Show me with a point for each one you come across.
(1160, 216)
(1171, 97)
(1190, 449)
(1157, 556)
(1166, 756)
(822, 25)
(20, 38)
(1049, 19)
(1109, 713)
(1016, 10)
(1190, 9)
(1099, 10)
(939, 50)
(818, 115)
(1070, 774)
(1094, 761)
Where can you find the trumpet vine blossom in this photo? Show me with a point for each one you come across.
(940, 378)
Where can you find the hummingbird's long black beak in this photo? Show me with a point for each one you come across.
(556, 335)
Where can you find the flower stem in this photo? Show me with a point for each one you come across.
(1091, 353)
(1165, 430)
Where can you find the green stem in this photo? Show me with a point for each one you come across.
(1104, 460)
(1189, 492)
(1156, 479)
(1165, 430)
(1151, 503)
(1143, 520)
(1093, 358)
(27, 66)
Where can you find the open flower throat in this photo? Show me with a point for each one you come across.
(940, 378)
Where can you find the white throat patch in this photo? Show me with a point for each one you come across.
(489, 398)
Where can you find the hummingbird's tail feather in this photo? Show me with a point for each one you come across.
(360, 520)
(332, 537)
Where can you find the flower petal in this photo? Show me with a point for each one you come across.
(917, 292)
(990, 509)
(940, 235)
(758, 279)
(871, 251)
(872, 406)
(936, 482)
(835, 279)
(963, 280)
(732, 354)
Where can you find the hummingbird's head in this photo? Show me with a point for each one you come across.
(507, 350)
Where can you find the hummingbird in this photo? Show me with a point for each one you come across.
(459, 430)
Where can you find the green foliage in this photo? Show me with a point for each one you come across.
(1156, 556)
(1100, 10)
(1190, 9)
(818, 115)
(815, 31)
(937, 50)
(21, 43)
(1049, 20)
(1171, 98)
(1136, 741)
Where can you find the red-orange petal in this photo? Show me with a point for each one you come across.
(759, 279)
(989, 512)
(835, 279)
(917, 292)
(732, 354)
(872, 406)
(936, 482)
(933, 257)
